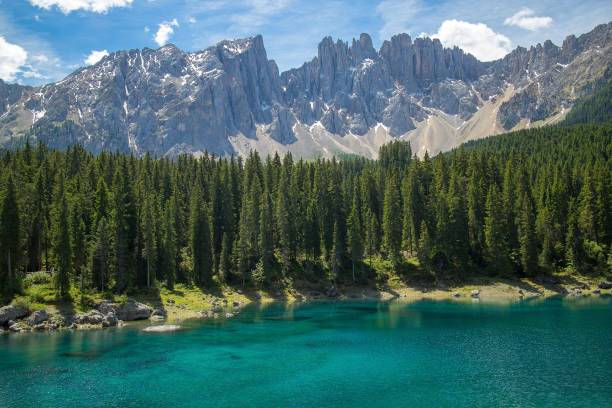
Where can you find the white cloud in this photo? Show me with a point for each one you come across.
(526, 20)
(477, 39)
(397, 15)
(146, 29)
(165, 31)
(95, 56)
(256, 13)
(12, 59)
(68, 6)
(192, 20)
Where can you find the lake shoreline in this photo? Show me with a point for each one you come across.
(172, 307)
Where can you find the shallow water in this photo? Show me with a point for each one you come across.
(360, 354)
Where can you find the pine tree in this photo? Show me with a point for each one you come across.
(122, 245)
(10, 242)
(496, 249)
(283, 225)
(100, 258)
(425, 247)
(225, 259)
(201, 245)
(150, 244)
(355, 234)
(79, 244)
(527, 240)
(266, 229)
(337, 255)
(61, 243)
(169, 250)
(392, 223)
(371, 234)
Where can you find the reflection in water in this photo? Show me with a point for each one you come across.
(329, 353)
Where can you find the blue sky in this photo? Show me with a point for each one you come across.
(43, 40)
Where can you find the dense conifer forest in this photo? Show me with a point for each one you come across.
(522, 204)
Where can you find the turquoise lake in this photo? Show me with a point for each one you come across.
(553, 353)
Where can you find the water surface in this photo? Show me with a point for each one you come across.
(362, 354)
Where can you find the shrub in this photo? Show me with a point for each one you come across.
(36, 278)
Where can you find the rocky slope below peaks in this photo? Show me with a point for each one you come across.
(350, 98)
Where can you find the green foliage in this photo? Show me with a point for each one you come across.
(36, 278)
(518, 204)
(596, 108)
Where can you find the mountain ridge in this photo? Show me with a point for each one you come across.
(350, 98)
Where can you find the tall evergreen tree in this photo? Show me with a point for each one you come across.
(100, 258)
(10, 242)
(496, 249)
(527, 238)
(61, 242)
(355, 234)
(201, 244)
(392, 223)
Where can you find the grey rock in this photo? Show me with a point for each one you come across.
(110, 320)
(93, 317)
(605, 285)
(128, 311)
(332, 292)
(169, 102)
(18, 327)
(158, 312)
(38, 317)
(456, 295)
(475, 293)
(164, 328)
(12, 312)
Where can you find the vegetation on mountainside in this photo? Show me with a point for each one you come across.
(522, 204)
(595, 108)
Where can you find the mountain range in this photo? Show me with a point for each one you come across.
(349, 99)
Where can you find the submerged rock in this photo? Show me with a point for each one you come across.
(162, 328)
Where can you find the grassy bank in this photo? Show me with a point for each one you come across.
(407, 282)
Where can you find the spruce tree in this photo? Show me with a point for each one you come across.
(201, 245)
(62, 242)
(10, 242)
(100, 258)
(355, 234)
(527, 239)
(392, 223)
(496, 249)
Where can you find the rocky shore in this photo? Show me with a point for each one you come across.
(16, 318)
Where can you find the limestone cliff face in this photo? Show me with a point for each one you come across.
(167, 101)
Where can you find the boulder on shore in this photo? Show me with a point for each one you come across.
(332, 292)
(12, 312)
(93, 317)
(128, 311)
(605, 285)
(38, 317)
(475, 293)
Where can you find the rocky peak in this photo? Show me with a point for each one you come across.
(167, 101)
